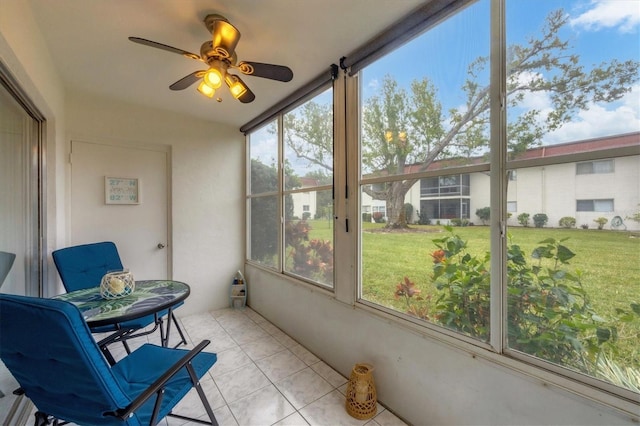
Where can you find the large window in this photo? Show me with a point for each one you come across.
(264, 206)
(569, 303)
(497, 183)
(291, 191)
(424, 124)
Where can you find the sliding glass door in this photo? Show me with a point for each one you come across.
(21, 228)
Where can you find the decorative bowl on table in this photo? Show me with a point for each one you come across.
(117, 284)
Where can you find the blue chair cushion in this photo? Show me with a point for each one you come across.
(46, 344)
(84, 266)
(146, 364)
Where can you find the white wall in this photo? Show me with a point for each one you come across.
(23, 52)
(422, 380)
(207, 161)
(207, 186)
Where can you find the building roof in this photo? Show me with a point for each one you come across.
(587, 145)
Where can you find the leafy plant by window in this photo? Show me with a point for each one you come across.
(549, 314)
(311, 259)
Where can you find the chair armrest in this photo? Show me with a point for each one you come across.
(124, 413)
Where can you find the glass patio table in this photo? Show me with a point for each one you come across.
(150, 297)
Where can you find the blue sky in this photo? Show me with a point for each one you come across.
(599, 30)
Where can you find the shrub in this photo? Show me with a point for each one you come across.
(567, 222)
(523, 219)
(540, 220)
(309, 258)
(378, 217)
(549, 311)
(601, 221)
(456, 221)
(423, 219)
(366, 217)
(584, 226)
(306, 215)
(484, 214)
(408, 212)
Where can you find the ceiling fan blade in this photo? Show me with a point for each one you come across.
(247, 97)
(187, 81)
(270, 71)
(157, 45)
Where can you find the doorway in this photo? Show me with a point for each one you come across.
(139, 223)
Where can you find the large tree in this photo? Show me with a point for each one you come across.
(400, 128)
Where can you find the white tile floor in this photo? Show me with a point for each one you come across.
(263, 377)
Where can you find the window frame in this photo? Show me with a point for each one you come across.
(281, 191)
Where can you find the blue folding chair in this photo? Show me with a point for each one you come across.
(47, 346)
(83, 266)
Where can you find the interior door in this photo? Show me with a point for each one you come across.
(137, 223)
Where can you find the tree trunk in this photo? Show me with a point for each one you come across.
(396, 215)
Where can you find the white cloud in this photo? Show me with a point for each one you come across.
(601, 120)
(373, 84)
(621, 14)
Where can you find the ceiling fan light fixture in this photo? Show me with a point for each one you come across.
(236, 86)
(213, 77)
(206, 90)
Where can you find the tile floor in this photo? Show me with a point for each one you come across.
(263, 377)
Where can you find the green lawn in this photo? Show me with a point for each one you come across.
(609, 261)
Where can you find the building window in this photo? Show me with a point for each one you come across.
(443, 186)
(594, 205)
(594, 167)
(512, 206)
(450, 208)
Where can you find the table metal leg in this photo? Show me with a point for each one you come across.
(165, 343)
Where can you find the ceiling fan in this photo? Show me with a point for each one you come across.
(219, 54)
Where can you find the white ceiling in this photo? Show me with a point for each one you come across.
(89, 45)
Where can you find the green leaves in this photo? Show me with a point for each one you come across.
(548, 311)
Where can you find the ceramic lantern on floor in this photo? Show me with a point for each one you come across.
(361, 393)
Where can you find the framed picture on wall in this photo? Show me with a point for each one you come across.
(120, 190)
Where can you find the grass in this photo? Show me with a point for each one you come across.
(609, 261)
